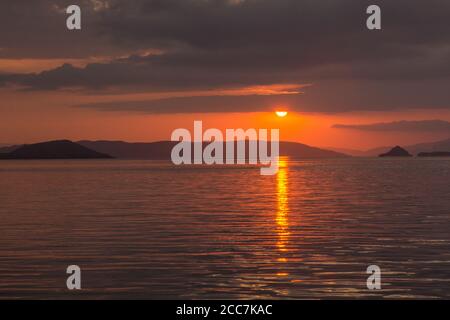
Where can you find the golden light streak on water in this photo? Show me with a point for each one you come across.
(282, 221)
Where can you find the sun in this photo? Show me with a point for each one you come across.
(281, 114)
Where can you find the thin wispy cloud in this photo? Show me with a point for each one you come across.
(401, 126)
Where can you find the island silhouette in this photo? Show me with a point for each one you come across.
(396, 152)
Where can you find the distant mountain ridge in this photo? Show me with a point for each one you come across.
(59, 149)
(162, 150)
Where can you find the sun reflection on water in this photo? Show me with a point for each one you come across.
(282, 221)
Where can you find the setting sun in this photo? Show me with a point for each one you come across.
(281, 114)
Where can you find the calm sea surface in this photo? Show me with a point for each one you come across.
(145, 229)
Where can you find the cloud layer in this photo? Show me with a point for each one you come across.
(185, 45)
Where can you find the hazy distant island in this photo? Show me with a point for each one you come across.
(415, 149)
(60, 149)
(396, 152)
(434, 154)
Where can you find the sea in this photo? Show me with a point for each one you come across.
(140, 229)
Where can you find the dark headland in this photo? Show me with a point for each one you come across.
(396, 152)
(60, 149)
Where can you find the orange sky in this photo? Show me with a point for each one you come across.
(33, 116)
(37, 116)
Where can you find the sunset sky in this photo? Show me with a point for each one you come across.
(140, 69)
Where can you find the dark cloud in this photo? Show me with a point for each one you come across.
(405, 126)
(37, 29)
(229, 44)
